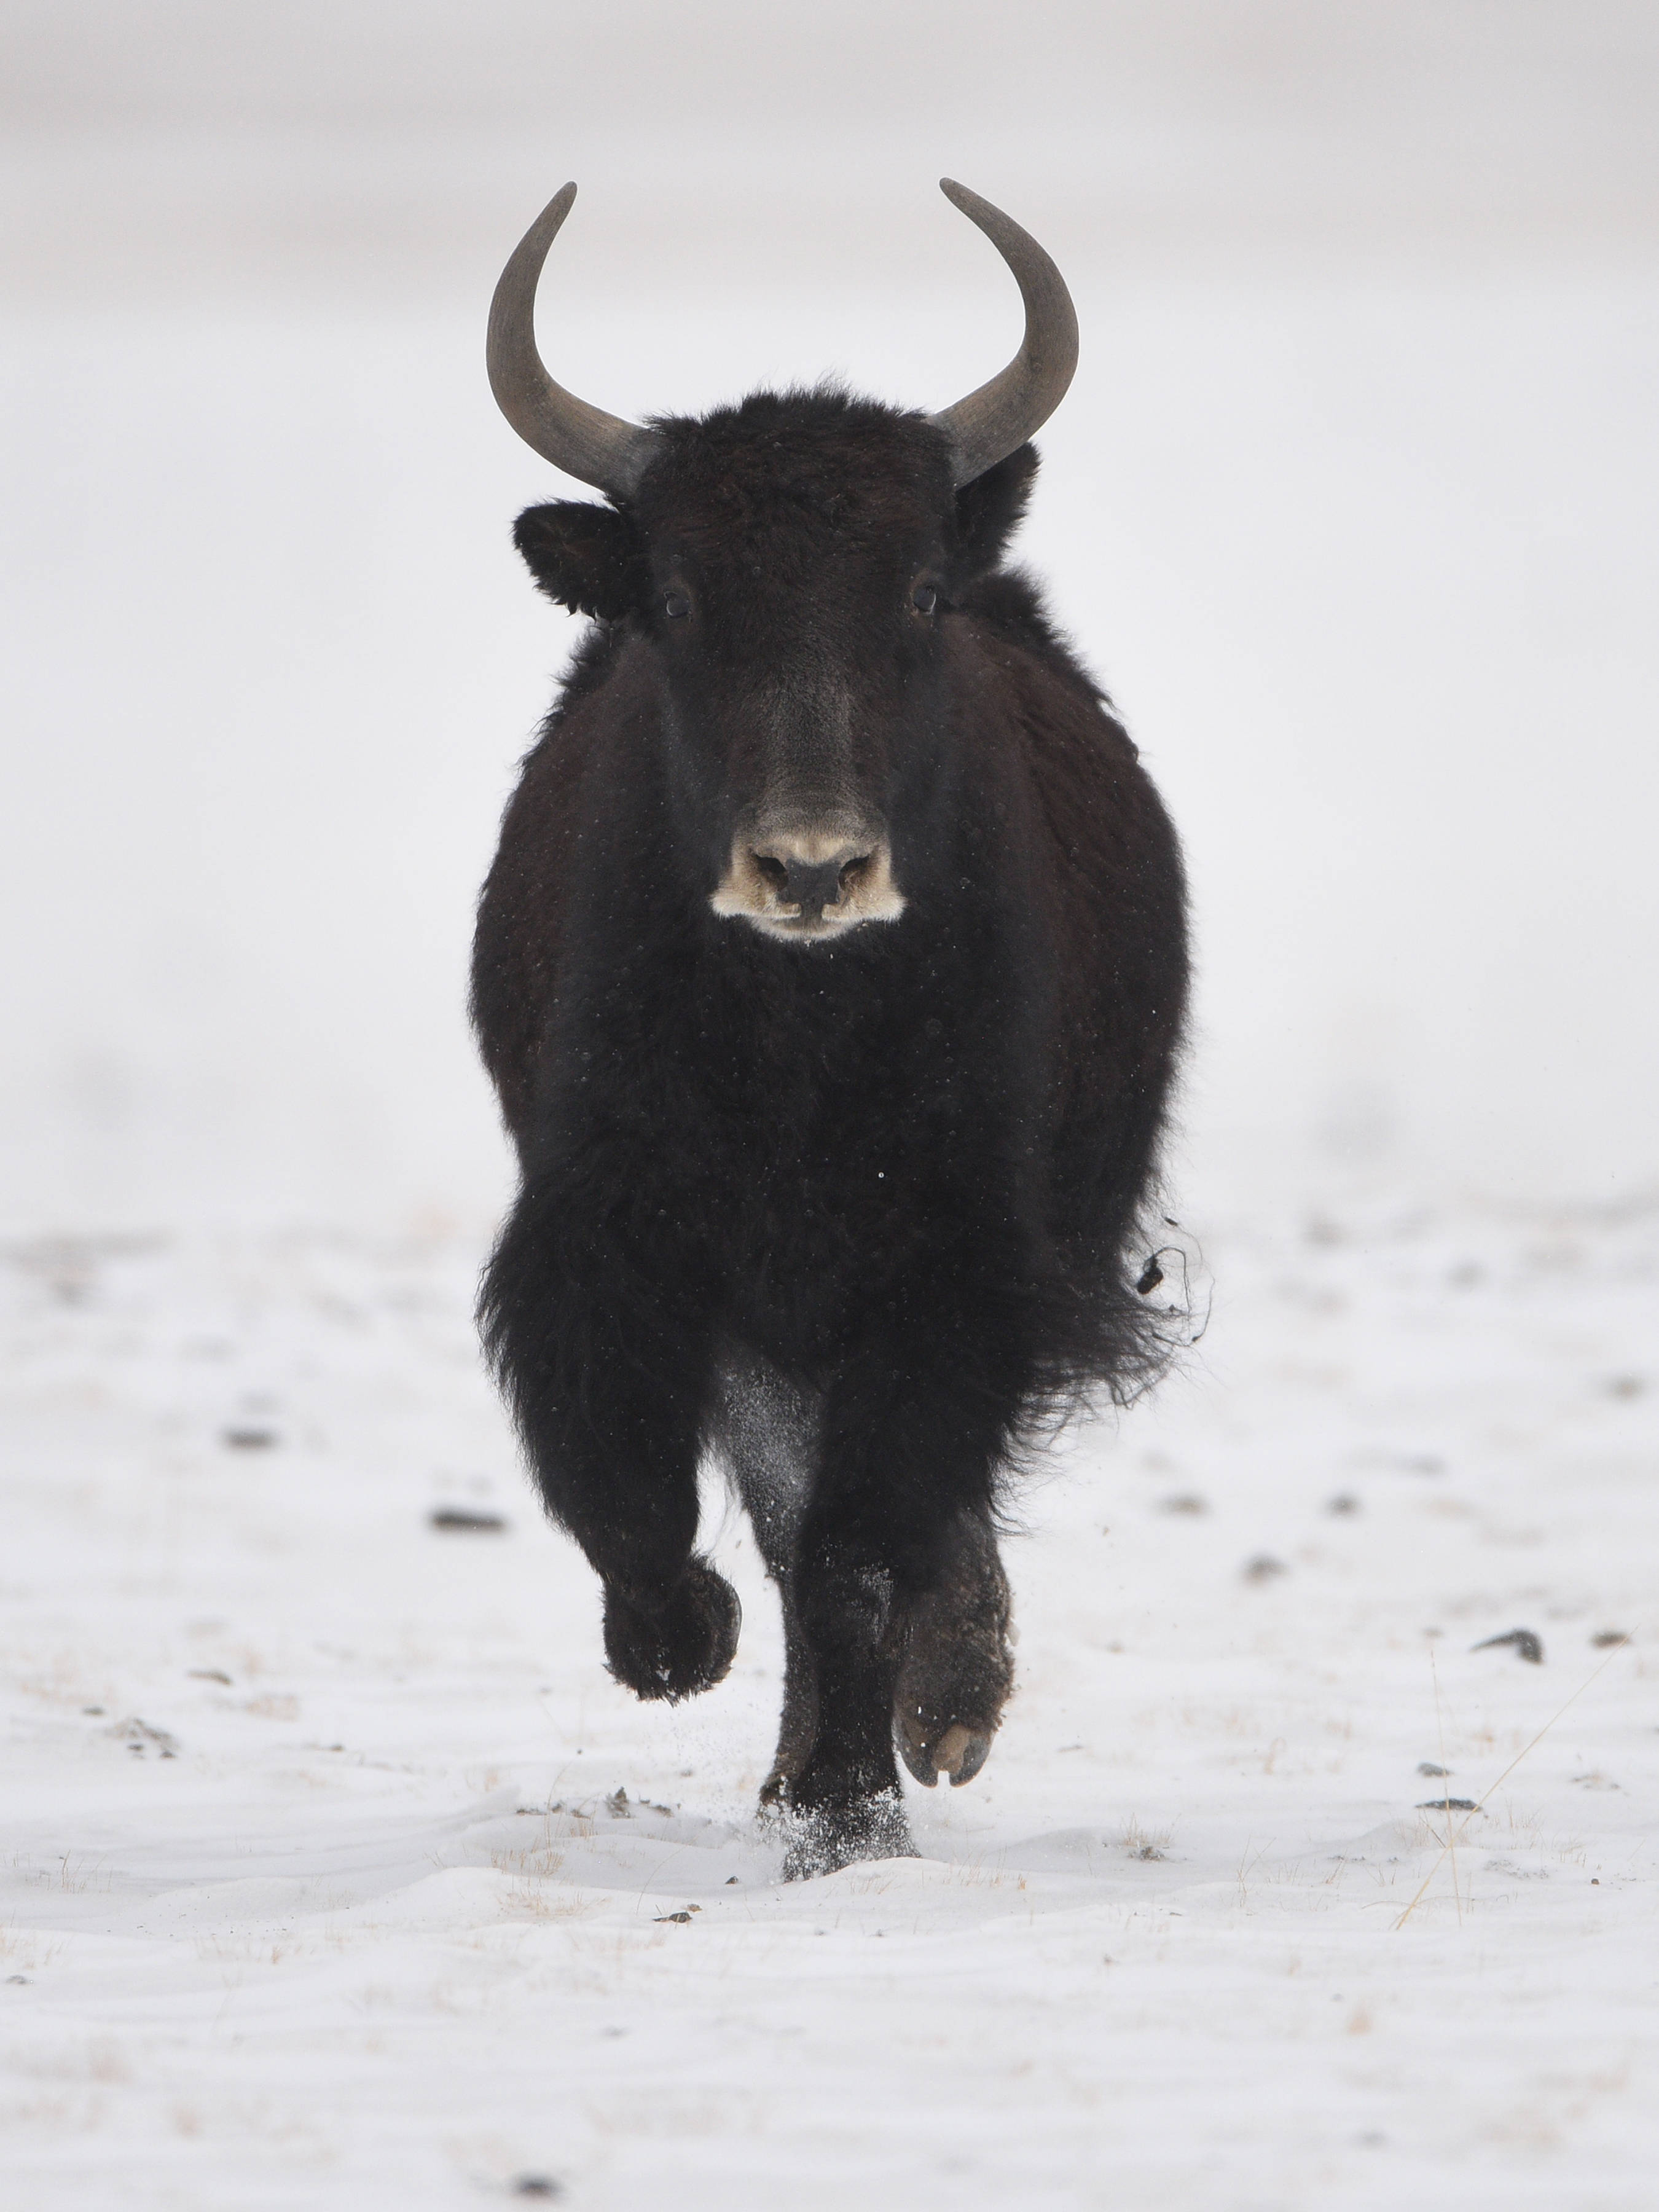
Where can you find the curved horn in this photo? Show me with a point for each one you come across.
(584, 441)
(992, 423)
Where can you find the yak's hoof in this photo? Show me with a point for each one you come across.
(828, 1838)
(685, 1645)
(958, 1752)
(955, 1672)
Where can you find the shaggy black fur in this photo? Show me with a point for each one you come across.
(858, 1214)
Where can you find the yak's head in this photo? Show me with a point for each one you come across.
(791, 564)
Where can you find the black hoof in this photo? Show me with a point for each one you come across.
(956, 1751)
(685, 1645)
(954, 1678)
(955, 1665)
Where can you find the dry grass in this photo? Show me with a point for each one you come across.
(77, 1873)
(533, 1861)
(256, 1950)
(535, 1899)
(1144, 1842)
(22, 1950)
(536, 1892)
(273, 1708)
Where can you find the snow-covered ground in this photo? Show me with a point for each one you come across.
(337, 1873)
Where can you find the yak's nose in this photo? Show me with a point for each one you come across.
(812, 885)
(804, 884)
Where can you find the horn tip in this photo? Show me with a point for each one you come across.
(976, 209)
(552, 220)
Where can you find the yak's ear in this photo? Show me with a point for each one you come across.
(990, 508)
(587, 557)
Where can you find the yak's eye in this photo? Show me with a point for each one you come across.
(675, 605)
(925, 597)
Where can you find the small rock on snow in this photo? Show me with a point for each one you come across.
(1528, 1645)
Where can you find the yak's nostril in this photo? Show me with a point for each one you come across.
(773, 870)
(812, 885)
(853, 872)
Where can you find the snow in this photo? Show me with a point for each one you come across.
(335, 1870)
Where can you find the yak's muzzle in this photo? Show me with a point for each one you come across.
(808, 884)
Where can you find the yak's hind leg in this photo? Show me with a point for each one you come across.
(955, 1666)
(768, 1435)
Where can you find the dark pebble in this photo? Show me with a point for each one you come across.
(1528, 1645)
(462, 1518)
(1264, 1568)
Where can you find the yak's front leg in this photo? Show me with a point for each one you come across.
(900, 1594)
(607, 1374)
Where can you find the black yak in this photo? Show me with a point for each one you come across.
(831, 973)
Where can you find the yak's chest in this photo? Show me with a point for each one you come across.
(795, 1108)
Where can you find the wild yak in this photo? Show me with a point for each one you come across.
(831, 973)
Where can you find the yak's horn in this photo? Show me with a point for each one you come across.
(992, 423)
(584, 441)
